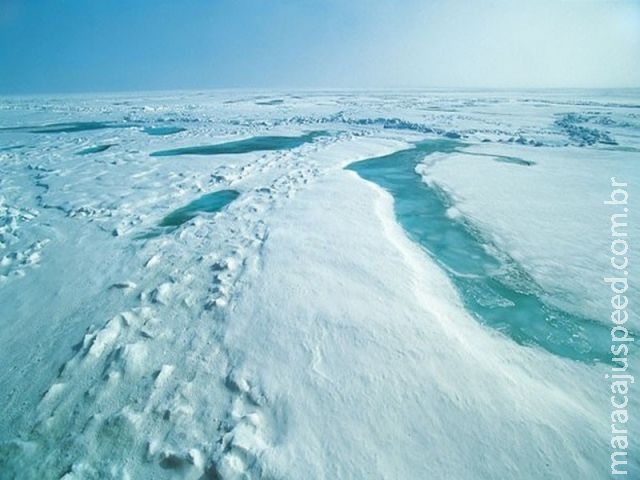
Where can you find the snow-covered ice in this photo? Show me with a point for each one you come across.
(202, 285)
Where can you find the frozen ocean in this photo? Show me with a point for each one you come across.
(299, 285)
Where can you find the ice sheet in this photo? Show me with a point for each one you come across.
(298, 331)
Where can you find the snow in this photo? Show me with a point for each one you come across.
(295, 331)
(551, 217)
(380, 371)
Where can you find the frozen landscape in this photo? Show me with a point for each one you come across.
(301, 285)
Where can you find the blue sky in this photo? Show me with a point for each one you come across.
(108, 45)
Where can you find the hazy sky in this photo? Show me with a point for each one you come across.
(97, 45)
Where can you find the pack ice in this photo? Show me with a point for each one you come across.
(387, 285)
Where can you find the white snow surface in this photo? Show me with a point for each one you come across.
(297, 333)
(551, 218)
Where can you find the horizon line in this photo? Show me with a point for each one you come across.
(316, 89)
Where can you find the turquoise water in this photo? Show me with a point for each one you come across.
(68, 127)
(158, 131)
(13, 147)
(96, 149)
(276, 101)
(209, 203)
(495, 290)
(504, 159)
(253, 144)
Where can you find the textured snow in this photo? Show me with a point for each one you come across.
(296, 331)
